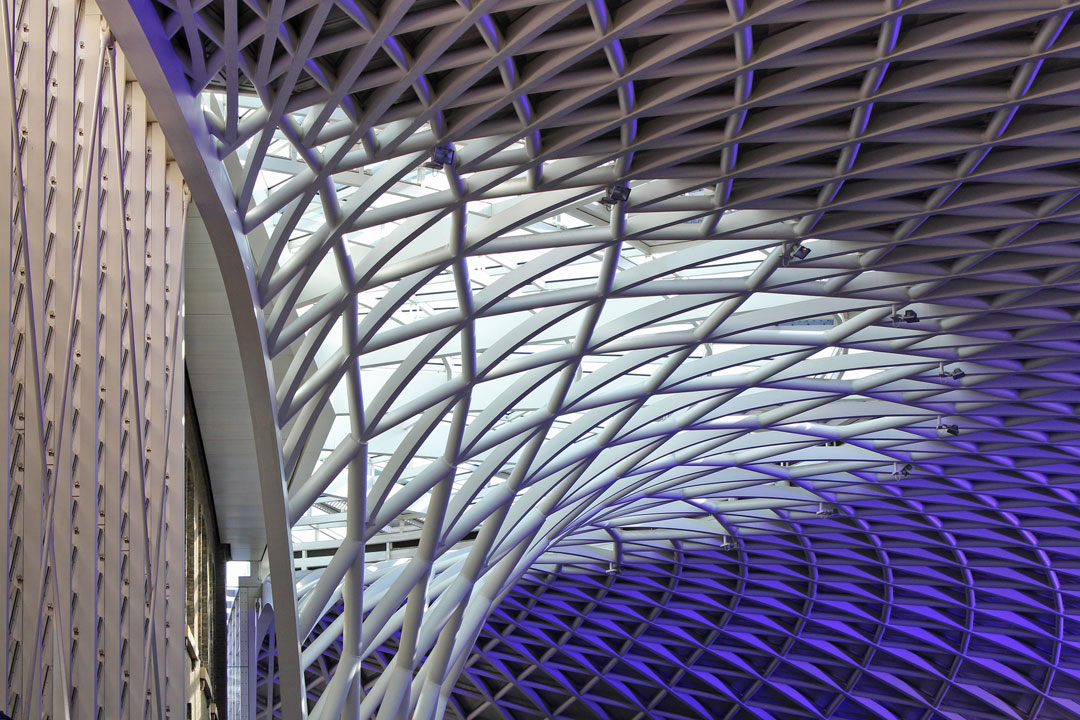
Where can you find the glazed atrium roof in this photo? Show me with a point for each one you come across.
(648, 359)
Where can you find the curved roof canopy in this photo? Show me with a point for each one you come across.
(673, 359)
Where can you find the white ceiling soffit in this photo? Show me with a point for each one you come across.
(216, 378)
(687, 273)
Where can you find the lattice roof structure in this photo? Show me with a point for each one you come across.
(712, 360)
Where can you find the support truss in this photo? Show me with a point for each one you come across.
(842, 289)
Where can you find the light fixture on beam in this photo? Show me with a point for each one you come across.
(616, 194)
(441, 156)
(947, 428)
(827, 510)
(955, 374)
(901, 472)
(908, 316)
(795, 251)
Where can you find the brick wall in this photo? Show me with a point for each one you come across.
(205, 568)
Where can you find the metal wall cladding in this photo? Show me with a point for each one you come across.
(94, 488)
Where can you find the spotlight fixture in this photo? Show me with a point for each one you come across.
(901, 472)
(442, 155)
(794, 251)
(616, 194)
(948, 429)
(729, 544)
(956, 374)
(827, 510)
(908, 316)
(798, 252)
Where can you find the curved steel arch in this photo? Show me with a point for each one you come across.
(536, 378)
